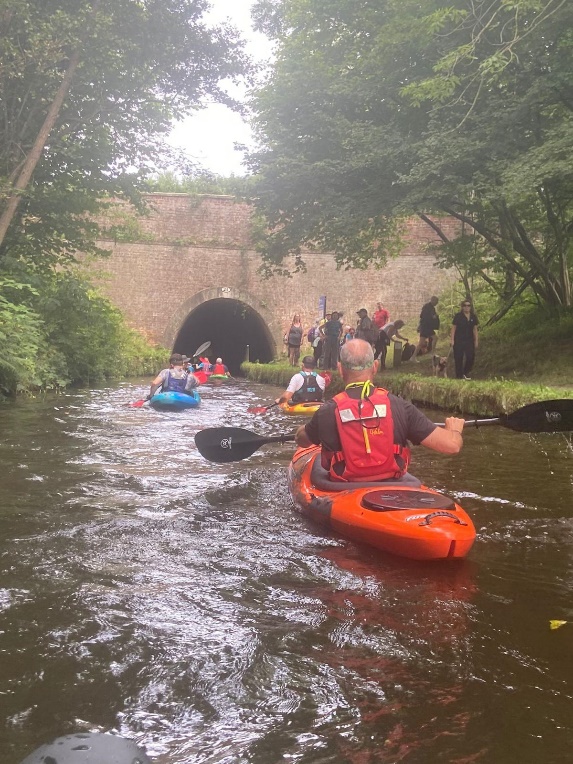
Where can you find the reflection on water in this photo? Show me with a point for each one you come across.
(184, 604)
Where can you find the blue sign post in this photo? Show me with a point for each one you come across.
(322, 306)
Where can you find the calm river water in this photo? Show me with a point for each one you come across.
(187, 606)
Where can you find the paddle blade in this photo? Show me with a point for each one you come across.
(261, 409)
(231, 444)
(544, 416)
(137, 404)
(202, 348)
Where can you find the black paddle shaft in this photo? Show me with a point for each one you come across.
(231, 444)
(543, 416)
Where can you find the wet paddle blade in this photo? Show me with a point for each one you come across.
(202, 348)
(231, 444)
(137, 404)
(261, 409)
(544, 416)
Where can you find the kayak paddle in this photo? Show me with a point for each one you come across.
(261, 409)
(138, 404)
(201, 349)
(231, 444)
(543, 416)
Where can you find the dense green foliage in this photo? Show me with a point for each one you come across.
(63, 331)
(143, 63)
(380, 110)
(133, 66)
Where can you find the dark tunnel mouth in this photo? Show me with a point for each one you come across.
(231, 326)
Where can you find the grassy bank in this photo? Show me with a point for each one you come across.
(527, 357)
(480, 398)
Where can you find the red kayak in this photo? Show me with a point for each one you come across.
(402, 517)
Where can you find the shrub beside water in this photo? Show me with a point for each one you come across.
(65, 332)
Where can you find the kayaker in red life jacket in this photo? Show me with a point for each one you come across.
(364, 431)
(305, 386)
(220, 369)
(174, 379)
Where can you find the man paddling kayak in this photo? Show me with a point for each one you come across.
(364, 431)
(305, 386)
(174, 379)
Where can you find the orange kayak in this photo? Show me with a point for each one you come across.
(402, 517)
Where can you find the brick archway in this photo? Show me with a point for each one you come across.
(231, 319)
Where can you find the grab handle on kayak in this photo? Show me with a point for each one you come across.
(441, 513)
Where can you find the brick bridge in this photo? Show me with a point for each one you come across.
(188, 273)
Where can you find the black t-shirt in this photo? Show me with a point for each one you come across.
(464, 328)
(429, 320)
(409, 423)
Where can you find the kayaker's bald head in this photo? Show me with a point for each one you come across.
(357, 362)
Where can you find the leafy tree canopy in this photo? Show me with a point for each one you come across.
(380, 110)
(140, 65)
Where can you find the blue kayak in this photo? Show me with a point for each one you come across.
(172, 401)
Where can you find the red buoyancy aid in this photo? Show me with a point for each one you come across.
(366, 431)
(219, 369)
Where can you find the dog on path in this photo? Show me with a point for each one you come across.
(440, 365)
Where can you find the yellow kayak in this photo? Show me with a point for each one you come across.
(307, 408)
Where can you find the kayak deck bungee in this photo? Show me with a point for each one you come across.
(308, 407)
(402, 517)
(173, 401)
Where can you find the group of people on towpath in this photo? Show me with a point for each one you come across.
(328, 336)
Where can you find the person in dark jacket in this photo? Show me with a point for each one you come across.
(294, 336)
(464, 339)
(429, 324)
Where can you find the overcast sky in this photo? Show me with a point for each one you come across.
(209, 136)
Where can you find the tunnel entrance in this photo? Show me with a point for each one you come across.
(231, 325)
